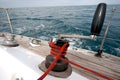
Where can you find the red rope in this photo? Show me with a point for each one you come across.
(57, 57)
(87, 69)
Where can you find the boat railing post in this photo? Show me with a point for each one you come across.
(8, 17)
(10, 24)
(99, 54)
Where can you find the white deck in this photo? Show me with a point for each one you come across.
(21, 63)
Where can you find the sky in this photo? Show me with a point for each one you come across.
(39, 3)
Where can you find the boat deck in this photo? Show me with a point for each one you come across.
(108, 65)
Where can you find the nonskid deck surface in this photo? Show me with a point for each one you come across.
(108, 65)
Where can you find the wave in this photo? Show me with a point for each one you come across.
(26, 18)
(40, 27)
(19, 30)
(40, 19)
(117, 51)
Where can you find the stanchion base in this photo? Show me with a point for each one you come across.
(10, 43)
(99, 54)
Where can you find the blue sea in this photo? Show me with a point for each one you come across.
(47, 22)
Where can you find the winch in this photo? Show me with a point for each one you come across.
(56, 46)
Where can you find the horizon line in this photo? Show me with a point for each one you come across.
(55, 6)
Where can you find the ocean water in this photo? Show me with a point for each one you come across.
(47, 22)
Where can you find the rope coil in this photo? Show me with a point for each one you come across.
(57, 49)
